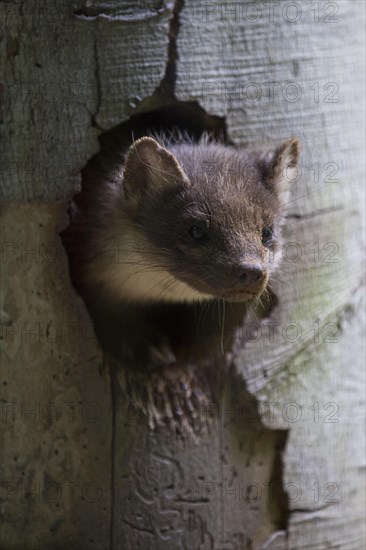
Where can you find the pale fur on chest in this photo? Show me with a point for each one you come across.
(124, 270)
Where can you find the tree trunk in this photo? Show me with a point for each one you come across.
(282, 464)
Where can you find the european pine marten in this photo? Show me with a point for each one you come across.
(181, 224)
(178, 227)
(185, 222)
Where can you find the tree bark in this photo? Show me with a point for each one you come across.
(282, 465)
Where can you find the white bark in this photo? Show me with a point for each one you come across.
(316, 290)
(123, 486)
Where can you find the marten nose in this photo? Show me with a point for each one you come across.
(250, 275)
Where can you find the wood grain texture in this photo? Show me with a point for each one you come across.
(208, 493)
(67, 76)
(319, 285)
(290, 420)
(55, 394)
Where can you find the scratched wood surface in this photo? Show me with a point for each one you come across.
(79, 469)
(55, 394)
(74, 67)
(283, 73)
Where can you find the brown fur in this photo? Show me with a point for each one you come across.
(141, 274)
(129, 240)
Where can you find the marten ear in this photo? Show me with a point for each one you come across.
(281, 168)
(149, 167)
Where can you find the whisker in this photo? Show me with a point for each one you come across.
(223, 327)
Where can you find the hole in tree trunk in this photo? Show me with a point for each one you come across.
(192, 343)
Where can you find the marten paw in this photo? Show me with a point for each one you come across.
(160, 354)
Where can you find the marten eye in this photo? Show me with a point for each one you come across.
(267, 235)
(197, 233)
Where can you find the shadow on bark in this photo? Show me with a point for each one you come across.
(187, 396)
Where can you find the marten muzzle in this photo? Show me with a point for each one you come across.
(249, 275)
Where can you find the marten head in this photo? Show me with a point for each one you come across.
(210, 214)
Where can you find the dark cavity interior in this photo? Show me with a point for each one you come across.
(194, 332)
